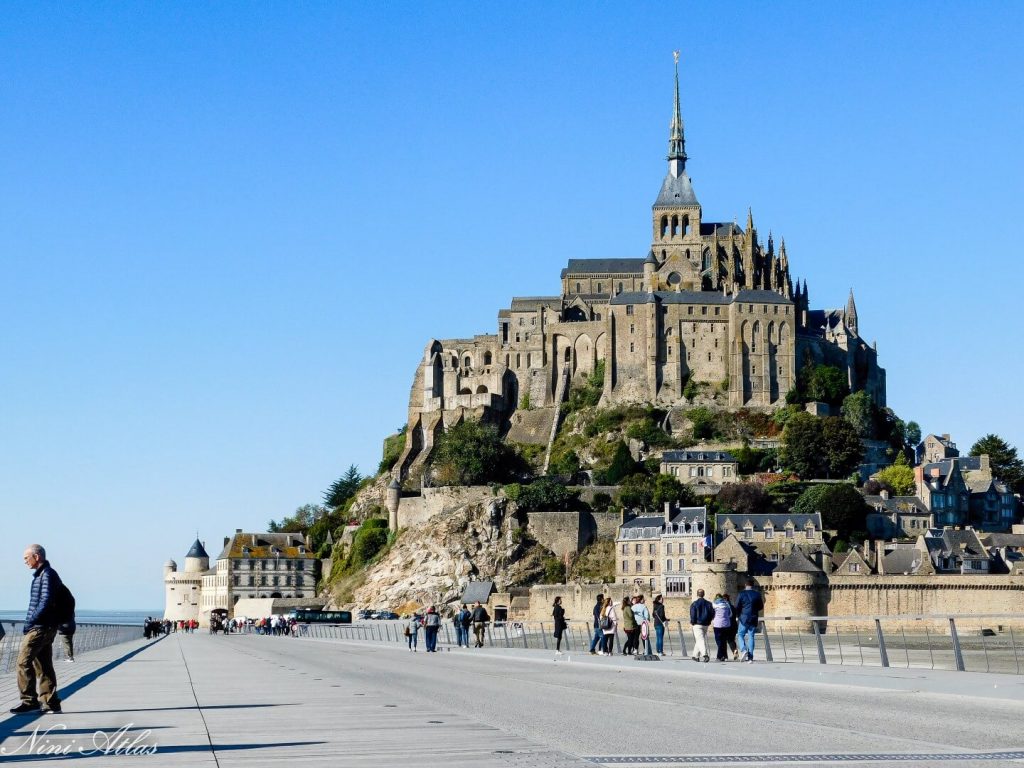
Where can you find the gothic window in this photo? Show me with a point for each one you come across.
(578, 288)
(487, 358)
(466, 362)
(675, 226)
(686, 229)
(664, 227)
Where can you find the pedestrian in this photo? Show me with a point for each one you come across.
(457, 623)
(467, 622)
(412, 632)
(643, 623)
(598, 633)
(722, 624)
(702, 613)
(558, 614)
(749, 604)
(629, 626)
(660, 620)
(431, 626)
(35, 659)
(480, 618)
(609, 626)
(733, 628)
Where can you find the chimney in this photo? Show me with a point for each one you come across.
(668, 512)
(984, 462)
(238, 530)
(226, 540)
(623, 516)
(254, 539)
(879, 553)
(945, 436)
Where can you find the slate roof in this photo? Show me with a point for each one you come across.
(950, 541)
(911, 505)
(700, 297)
(680, 516)
(778, 521)
(1003, 540)
(263, 547)
(532, 303)
(697, 456)
(723, 229)
(906, 560)
(676, 190)
(478, 591)
(604, 266)
(797, 562)
(197, 550)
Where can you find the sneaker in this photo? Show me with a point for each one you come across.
(695, 658)
(750, 659)
(24, 709)
(69, 661)
(51, 710)
(593, 653)
(706, 659)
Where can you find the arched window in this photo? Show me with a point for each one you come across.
(466, 362)
(578, 288)
(487, 358)
(568, 354)
(664, 227)
(675, 226)
(519, 361)
(686, 228)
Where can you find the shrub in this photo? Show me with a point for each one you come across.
(621, 466)
(554, 570)
(545, 494)
(842, 508)
(393, 447)
(648, 432)
(471, 453)
(703, 422)
(601, 502)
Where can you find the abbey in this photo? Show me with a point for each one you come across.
(711, 303)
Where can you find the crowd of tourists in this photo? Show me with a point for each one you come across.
(464, 620)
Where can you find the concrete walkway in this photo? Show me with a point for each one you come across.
(255, 701)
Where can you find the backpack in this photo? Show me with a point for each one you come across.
(606, 622)
(63, 604)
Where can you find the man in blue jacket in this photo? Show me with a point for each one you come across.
(701, 615)
(598, 631)
(35, 660)
(749, 604)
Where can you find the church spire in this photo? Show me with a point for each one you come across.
(851, 313)
(676, 142)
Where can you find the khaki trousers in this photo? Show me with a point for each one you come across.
(35, 661)
(478, 629)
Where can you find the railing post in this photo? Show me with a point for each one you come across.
(817, 637)
(682, 640)
(883, 655)
(767, 644)
(957, 651)
(543, 636)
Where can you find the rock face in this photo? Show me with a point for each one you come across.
(431, 564)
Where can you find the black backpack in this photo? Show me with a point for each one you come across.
(63, 604)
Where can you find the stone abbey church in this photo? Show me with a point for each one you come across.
(710, 302)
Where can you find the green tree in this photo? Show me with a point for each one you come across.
(912, 434)
(842, 508)
(344, 488)
(743, 499)
(369, 539)
(827, 384)
(703, 422)
(1002, 456)
(820, 448)
(668, 488)
(472, 453)
(621, 466)
(300, 521)
(899, 478)
(637, 492)
(859, 410)
(542, 494)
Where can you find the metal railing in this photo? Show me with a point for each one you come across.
(87, 637)
(966, 643)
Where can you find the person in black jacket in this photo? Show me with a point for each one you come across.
(558, 614)
(660, 620)
(701, 615)
(480, 619)
(598, 632)
(35, 660)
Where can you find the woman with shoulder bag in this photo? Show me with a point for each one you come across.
(558, 614)
(609, 625)
(660, 620)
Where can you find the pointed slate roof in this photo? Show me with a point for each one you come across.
(197, 550)
(676, 190)
(797, 562)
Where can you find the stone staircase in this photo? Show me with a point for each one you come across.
(560, 392)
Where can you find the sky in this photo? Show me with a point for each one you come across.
(228, 230)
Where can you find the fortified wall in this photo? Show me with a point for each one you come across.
(802, 594)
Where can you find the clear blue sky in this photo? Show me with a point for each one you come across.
(228, 230)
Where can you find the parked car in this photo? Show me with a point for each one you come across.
(364, 614)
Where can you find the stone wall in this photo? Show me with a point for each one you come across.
(558, 531)
(416, 510)
(532, 427)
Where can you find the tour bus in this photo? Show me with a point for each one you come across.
(310, 616)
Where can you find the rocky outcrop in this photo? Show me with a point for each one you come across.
(431, 564)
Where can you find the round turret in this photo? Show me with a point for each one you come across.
(197, 560)
(170, 567)
(393, 498)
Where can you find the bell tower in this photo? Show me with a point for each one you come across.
(676, 244)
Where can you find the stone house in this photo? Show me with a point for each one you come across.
(897, 516)
(935, 448)
(657, 552)
(700, 467)
(955, 550)
(962, 490)
(772, 532)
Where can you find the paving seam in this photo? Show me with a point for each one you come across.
(199, 707)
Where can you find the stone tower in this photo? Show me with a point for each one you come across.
(183, 589)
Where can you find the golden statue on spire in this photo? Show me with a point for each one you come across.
(675, 55)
